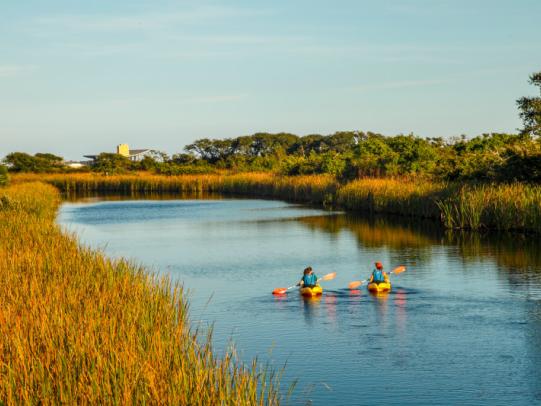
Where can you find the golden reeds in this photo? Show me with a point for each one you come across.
(496, 206)
(414, 198)
(76, 327)
(309, 188)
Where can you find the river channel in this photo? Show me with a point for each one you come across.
(461, 326)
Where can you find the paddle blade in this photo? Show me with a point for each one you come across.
(355, 284)
(279, 291)
(328, 277)
(399, 269)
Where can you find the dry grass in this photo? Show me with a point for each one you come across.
(500, 206)
(310, 188)
(414, 198)
(76, 327)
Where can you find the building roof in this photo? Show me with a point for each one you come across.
(133, 152)
(138, 151)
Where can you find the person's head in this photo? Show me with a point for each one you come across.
(379, 265)
(308, 270)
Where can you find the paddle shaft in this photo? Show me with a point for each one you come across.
(327, 277)
(390, 273)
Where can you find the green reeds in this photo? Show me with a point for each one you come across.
(497, 206)
(78, 328)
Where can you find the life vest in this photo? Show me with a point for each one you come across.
(309, 280)
(378, 276)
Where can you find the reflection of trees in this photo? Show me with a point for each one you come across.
(533, 340)
(375, 232)
(406, 239)
(411, 240)
(86, 196)
(517, 252)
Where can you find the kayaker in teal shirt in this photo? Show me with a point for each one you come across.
(379, 275)
(309, 279)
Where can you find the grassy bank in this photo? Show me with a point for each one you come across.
(394, 196)
(76, 327)
(513, 206)
(310, 188)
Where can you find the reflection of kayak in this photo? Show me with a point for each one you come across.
(379, 287)
(315, 291)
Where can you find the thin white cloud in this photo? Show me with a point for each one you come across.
(151, 20)
(182, 46)
(401, 84)
(248, 39)
(425, 8)
(224, 98)
(14, 70)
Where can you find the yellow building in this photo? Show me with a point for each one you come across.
(124, 150)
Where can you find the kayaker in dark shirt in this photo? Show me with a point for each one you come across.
(379, 275)
(309, 279)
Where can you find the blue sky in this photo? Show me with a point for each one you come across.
(80, 77)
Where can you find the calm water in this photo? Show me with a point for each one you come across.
(462, 325)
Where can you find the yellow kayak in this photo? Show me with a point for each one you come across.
(314, 291)
(379, 287)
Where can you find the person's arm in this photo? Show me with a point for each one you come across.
(301, 282)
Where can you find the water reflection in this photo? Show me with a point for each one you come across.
(401, 310)
(91, 197)
(411, 241)
(461, 326)
(310, 307)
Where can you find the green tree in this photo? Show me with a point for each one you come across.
(530, 109)
(109, 163)
(51, 159)
(20, 162)
(414, 154)
(184, 159)
(23, 162)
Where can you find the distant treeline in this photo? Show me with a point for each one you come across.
(346, 155)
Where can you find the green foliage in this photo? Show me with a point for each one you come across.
(171, 169)
(40, 162)
(346, 155)
(4, 177)
(530, 109)
(109, 163)
(50, 158)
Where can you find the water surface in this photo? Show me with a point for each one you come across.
(461, 326)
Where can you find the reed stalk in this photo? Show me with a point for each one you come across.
(515, 206)
(79, 328)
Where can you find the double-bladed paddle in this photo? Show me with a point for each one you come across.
(396, 271)
(281, 291)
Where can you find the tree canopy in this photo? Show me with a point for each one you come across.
(344, 154)
(40, 162)
(530, 109)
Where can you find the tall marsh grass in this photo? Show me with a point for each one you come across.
(502, 206)
(496, 206)
(78, 328)
(413, 198)
(309, 188)
(514, 206)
